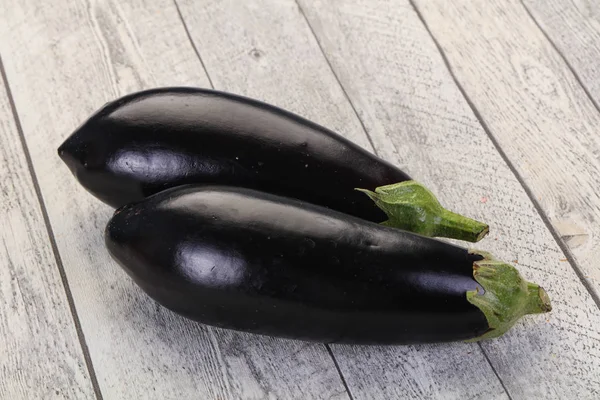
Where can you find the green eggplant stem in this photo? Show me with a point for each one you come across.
(412, 207)
(506, 296)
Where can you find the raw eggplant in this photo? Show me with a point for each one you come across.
(255, 262)
(149, 141)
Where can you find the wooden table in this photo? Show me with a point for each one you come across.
(493, 104)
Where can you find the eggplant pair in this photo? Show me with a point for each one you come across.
(241, 215)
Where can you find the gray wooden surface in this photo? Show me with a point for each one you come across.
(492, 103)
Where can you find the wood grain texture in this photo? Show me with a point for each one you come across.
(270, 54)
(407, 99)
(64, 60)
(572, 201)
(537, 111)
(40, 355)
(574, 27)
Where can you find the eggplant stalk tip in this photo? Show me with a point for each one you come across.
(412, 207)
(507, 296)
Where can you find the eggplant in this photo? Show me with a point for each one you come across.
(152, 140)
(252, 261)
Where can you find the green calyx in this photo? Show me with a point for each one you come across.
(412, 207)
(506, 297)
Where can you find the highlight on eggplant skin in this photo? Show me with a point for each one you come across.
(152, 140)
(255, 262)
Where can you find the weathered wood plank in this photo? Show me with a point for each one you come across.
(264, 49)
(572, 201)
(40, 355)
(538, 112)
(574, 28)
(64, 60)
(414, 112)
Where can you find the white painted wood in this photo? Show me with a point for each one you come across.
(574, 27)
(264, 49)
(535, 107)
(415, 114)
(64, 60)
(574, 207)
(40, 355)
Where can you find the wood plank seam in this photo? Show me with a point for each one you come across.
(194, 47)
(562, 245)
(375, 151)
(495, 371)
(337, 367)
(337, 78)
(339, 370)
(561, 54)
(51, 239)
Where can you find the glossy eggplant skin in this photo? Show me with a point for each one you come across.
(152, 140)
(255, 262)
